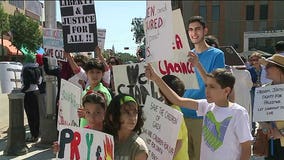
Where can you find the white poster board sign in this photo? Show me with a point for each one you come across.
(130, 79)
(269, 103)
(53, 43)
(82, 143)
(178, 64)
(69, 102)
(180, 41)
(101, 38)
(161, 128)
(158, 29)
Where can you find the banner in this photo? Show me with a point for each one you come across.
(269, 103)
(53, 43)
(158, 27)
(69, 102)
(101, 38)
(87, 144)
(130, 79)
(161, 128)
(79, 25)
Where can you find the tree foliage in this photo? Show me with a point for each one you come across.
(138, 30)
(26, 32)
(126, 57)
(4, 21)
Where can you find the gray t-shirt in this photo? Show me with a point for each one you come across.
(128, 149)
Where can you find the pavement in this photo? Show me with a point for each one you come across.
(36, 151)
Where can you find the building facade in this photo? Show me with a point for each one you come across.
(229, 20)
(32, 9)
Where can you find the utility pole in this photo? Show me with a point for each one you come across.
(48, 122)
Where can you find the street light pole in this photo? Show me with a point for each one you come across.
(48, 121)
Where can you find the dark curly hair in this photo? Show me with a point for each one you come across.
(94, 64)
(112, 117)
(198, 19)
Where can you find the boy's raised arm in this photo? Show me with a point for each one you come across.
(168, 92)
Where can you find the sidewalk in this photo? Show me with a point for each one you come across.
(35, 152)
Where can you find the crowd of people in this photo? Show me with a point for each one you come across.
(217, 120)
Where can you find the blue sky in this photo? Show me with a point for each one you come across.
(116, 17)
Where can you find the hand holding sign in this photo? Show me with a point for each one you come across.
(150, 73)
(193, 58)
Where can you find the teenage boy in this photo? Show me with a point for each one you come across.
(211, 58)
(225, 131)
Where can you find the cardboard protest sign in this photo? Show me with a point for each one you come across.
(178, 64)
(79, 25)
(232, 57)
(269, 103)
(53, 43)
(101, 38)
(159, 119)
(82, 143)
(130, 79)
(158, 30)
(69, 102)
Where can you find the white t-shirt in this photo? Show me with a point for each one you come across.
(224, 128)
(242, 89)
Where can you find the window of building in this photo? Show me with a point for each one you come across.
(18, 4)
(250, 12)
(263, 14)
(202, 11)
(215, 13)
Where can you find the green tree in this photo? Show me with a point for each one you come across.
(126, 57)
(4, 25)
(138, 30)
(25, 32)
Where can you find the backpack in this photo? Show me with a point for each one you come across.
(30, 75)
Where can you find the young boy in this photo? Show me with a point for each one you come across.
(95, 72)
(225, 131)
(181, 150)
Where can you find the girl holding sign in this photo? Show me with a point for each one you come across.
(124, 120)
(94, 105)
(181, 150)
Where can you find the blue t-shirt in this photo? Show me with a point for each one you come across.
(211, 59)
